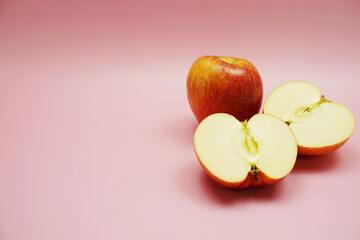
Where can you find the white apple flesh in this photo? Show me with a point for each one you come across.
(238, 154)
(320, 126)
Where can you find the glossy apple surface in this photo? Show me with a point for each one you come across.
(245, 154)
(320, 125)
(224, 85)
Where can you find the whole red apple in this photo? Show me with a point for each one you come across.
(224, 85)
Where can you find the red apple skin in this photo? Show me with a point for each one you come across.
(248, 182)
(224, 85)
(308, 151)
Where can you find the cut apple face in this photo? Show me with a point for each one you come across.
(236, 154)
(319, 125)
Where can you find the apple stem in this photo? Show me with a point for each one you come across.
(254, 170)
(323, 100)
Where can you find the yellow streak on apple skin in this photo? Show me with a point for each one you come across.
(224, 85)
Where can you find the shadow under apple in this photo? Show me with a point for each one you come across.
(316, 163)
(196, 184)
(226, 196)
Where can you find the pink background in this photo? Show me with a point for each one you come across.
(96, 132)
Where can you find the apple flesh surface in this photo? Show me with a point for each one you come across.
(245, 154)
(319, 125)
(224, 85)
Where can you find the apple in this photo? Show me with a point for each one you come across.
(320, 126)
(224, 85)
(261, 151)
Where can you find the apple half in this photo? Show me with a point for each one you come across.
(319, 125)
(261, 151)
